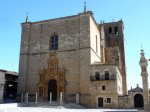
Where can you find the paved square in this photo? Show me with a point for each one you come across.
(46, 108)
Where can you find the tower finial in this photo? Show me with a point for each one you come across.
(85, 6)
(26, 17)
(142, 51)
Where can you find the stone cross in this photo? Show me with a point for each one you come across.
(144, 63)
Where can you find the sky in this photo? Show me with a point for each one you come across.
(134, 13)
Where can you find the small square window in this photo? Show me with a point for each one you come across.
(103, 88)
(108, 100)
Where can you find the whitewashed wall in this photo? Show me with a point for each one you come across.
(2, 81)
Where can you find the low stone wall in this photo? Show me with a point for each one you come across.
(124, 102)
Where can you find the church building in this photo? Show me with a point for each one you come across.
(76, 56)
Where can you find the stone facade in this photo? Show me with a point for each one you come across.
(134, 99)
(89, 56)
(106, 88)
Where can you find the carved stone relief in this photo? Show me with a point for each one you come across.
(49, 73)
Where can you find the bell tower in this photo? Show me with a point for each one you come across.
(114, 37)
(144, 63)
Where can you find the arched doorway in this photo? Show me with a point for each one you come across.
(138, 101)
(52, 87)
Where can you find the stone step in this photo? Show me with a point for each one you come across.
(51, 105)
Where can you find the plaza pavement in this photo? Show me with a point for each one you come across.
(70, 107)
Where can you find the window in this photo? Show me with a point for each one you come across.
(96, 43)
(110, 30)
(97, 75)
(54, 42)
(103, 88)
(116, 30)
(106, 75)
(108, 100)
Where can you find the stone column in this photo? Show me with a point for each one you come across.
(22, 98)
(61, 98)
(145, 93)
(77, 98)
(50, 97)
(144, 63)
(26, 97)
(36, 95)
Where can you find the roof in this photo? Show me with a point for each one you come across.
(1, 70)
(137, 89)
(12, 73)
(60, 18)
(9, 72)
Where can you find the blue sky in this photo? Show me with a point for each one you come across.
(134, 13)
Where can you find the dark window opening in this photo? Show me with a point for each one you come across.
(97, 75)
(116, 30)
(106, 75)
(108, 100)
(54, 42)
(103, 88)
(110, 30)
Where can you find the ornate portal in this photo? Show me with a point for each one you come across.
(52, 79)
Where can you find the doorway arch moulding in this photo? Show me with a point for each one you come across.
(52, 72)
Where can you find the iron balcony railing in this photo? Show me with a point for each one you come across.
(102, 77)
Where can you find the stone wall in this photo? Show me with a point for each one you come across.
(94, 42)
(80, 46)
(113, 39)
(73, 52)
(111, 85)
(125, 102)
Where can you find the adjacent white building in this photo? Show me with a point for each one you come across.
(2, 82)
(8, 85)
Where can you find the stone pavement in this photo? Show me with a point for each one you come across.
(69, 107)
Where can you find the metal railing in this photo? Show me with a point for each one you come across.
(103, 77)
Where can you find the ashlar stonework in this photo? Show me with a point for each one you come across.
(76, 56)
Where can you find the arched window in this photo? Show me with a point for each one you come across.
(110, 30)
(54, 42)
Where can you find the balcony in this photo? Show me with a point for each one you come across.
(103, 77)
